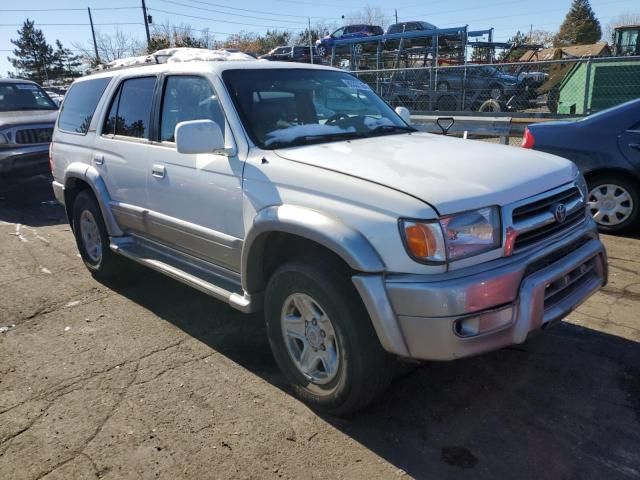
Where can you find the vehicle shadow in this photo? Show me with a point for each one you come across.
(30, 202)
(566, 404)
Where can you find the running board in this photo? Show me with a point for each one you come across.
(173, 265)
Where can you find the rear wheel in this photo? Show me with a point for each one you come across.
(92, 237)
(614, 203)
(322, 338)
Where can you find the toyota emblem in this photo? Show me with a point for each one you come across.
(560, 212)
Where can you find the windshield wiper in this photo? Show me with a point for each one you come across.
(307, 139)
(392, 128)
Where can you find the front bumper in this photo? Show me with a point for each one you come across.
(465, 313)
(25, 160)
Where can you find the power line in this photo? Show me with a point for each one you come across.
(224, 20)
(62, 9)
(69, 24)
(227, 13)
(245, 9)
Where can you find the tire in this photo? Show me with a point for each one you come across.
(447, 103)
(614, 203)
(443, 87)
(490, 106)
(358, 48)
(422, 103)
(89, 230)
(358, 369)
(321, 51)
(495, 92)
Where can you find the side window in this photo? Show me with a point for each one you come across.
(134, 107)
(79, 105)
(187, 98)
(109, 126)
(338, 33)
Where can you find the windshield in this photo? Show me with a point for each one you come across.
(24, 96)
(286, 107)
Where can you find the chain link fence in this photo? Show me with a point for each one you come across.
(567, 87)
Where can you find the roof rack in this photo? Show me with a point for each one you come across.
(177, 55)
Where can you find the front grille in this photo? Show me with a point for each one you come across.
(535, 222)
(561, 288)
(34, 135)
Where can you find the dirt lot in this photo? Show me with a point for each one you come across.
(149, 379)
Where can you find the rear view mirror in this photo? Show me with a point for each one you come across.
(404, 114)
(199, 136)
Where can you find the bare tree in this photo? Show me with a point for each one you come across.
(541, 37)
(110, 47)
(369, 16)
(627, 18)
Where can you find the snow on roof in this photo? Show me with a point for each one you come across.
(177, 55)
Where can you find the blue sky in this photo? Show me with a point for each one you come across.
(506, 16)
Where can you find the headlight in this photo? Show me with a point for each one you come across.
(453, 237)
(581, 183)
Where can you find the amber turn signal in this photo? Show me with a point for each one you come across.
(421, 240)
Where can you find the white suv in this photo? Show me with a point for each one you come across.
(296, 190)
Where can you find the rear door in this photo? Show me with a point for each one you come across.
(629, 143)
(122, 150)
(195, 201)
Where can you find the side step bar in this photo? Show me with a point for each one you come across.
(190, 273)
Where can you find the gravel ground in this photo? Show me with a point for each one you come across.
(149, 379)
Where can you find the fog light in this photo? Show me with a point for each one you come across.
(483, 323)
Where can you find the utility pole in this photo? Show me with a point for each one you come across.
(93, 34)
(396, 15)
(310, 41)
(146, 23)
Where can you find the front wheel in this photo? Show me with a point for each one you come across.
(321, 51)
(322, 338)
(614, 203)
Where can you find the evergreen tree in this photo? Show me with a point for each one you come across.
(33, 55)
(65, 62)
(580, 26)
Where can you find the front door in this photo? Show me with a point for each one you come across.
(195, 201)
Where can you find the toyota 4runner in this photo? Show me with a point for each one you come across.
(296, 190)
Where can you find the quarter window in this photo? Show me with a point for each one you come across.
(188, 98)
(130, 109)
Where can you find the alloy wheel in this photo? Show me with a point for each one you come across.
(310, 338)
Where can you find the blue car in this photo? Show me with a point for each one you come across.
(606, 148)
(325, 44)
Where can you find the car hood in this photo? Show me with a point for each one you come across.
(452, 175)
(22, 117)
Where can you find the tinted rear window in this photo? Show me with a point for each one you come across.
(79, 105)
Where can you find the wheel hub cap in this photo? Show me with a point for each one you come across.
(310, 338)
(90, 235)
(610, 204)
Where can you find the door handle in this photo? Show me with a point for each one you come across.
(635, 146)
(98, 159)
(158, 171)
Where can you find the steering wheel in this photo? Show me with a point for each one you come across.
(335, 118)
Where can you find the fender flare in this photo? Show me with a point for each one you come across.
(346, 242)
(91, 176)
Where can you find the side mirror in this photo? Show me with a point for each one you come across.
(404, 114)
(199, 136)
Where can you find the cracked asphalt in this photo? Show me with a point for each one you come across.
(147, 378)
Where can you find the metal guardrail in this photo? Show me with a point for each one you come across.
(467, 126)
